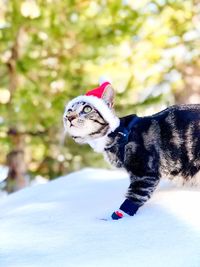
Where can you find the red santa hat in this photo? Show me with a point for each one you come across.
(97, 98)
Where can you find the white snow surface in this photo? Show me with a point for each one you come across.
(57, 225)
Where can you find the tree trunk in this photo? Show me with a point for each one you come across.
(16, 162)
(190, 94)
(15, 158)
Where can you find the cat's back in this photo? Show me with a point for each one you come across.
(178, 126)
(171, 126)
(182, 112)
(182, 119)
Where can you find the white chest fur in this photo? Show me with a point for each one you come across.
(98, 144)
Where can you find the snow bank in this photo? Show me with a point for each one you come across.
(57, 225)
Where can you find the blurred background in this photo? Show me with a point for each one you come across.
(54, 50)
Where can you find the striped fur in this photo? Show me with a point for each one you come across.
(166, 144)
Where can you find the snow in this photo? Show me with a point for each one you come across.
(3, 173)
(57, 225)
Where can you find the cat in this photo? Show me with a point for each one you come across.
(166, 144)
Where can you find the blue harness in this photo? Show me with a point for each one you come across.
(124, 133)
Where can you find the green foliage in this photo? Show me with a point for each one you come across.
(60, 49)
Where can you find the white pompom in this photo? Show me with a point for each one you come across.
(103, 79)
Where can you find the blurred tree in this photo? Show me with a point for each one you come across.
(54, 50)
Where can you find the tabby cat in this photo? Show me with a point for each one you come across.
(166, 144)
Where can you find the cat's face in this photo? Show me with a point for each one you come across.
(84, 123)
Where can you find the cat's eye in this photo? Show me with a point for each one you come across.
(68, 112)
(87, 109)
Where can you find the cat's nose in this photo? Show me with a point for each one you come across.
(71, 117)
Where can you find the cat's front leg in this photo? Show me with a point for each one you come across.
(138, 193)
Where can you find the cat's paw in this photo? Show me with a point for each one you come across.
(117, 215)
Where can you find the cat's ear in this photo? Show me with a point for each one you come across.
(108, 95)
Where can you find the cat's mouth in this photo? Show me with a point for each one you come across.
(71, 124)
